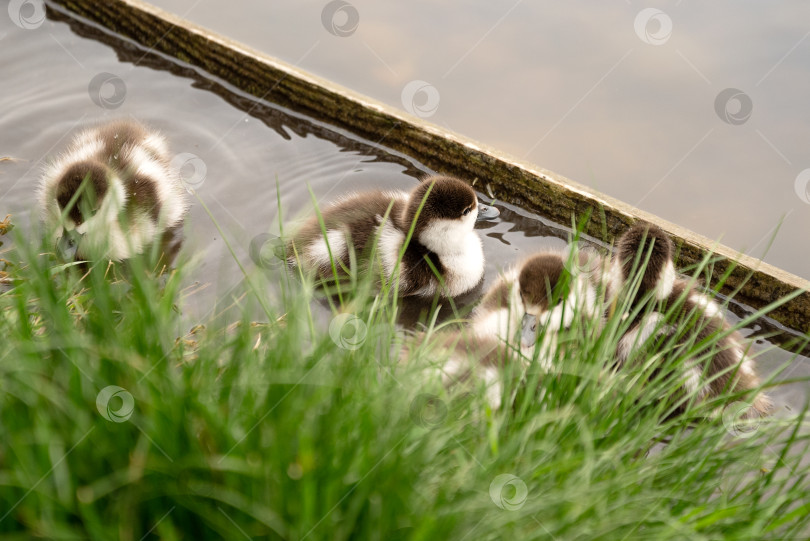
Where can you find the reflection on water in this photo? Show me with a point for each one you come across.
(243, 155)
(626, 100)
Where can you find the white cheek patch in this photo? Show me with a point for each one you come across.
(558, 318)
(502, 323)
(665, 282)
(460, 251)
(444, 237)
(318, 251)
(581, 300)
(465, 269)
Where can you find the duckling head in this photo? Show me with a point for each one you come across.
(543, 282)
(645, 253)
(552, 295)
(449, 210)
(83, 211)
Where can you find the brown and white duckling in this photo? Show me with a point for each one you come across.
(443, 234)
(671, 309)
(112, 193)
(645, 252)
(543, 295)
(549, 290)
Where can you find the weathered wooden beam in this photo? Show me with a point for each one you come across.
(511, 180)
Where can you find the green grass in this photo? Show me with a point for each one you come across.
(274, 431)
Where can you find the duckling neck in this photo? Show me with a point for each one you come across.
(447, 237)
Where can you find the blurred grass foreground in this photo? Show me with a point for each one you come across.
(117, 423)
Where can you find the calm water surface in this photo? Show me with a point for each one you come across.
(612, 96)
(243, 149)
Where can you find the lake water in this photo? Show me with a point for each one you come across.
(609, 94)
(241, 149)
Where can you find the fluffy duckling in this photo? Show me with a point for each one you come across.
(112, 194)
(548, 289)
(645, 252)
(675, 311)
(443, 236)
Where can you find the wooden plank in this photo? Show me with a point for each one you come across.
(511, 180)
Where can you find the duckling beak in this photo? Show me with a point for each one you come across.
(68, 244)
(528, 331)
(486, 212)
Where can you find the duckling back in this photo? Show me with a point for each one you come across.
(423, 243)
(114, 190)
(667, 313)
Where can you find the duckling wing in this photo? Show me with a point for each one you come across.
(348, 225)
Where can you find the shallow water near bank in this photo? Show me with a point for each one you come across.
(242, 156)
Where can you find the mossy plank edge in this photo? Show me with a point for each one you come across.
(511, 180)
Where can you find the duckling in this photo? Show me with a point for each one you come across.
(552, 289)
(549, 288)
(464, 359)
(443, 237)
(646, 252)
(671, 309)
(112, 194)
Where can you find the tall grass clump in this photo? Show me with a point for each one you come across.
(118, 423)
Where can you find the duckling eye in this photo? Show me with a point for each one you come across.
(467, 211)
